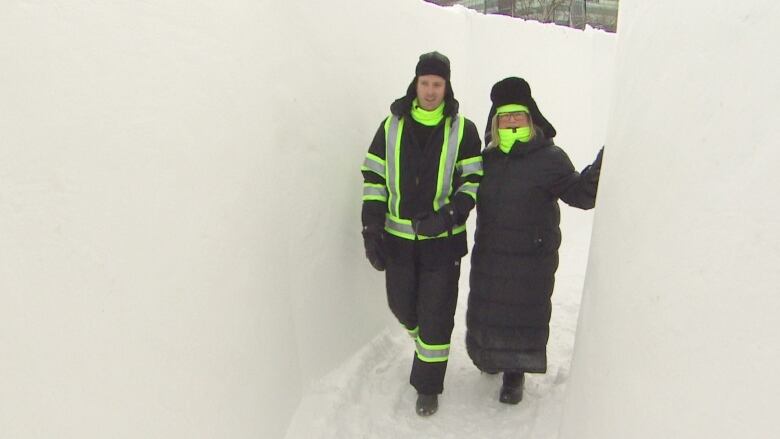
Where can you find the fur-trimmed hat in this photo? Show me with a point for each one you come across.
(514, 90)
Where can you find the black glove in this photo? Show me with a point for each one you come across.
(436, 223)
(373, 240)
(593, 171)
(597, 163)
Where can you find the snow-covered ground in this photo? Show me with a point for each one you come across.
(370, 396)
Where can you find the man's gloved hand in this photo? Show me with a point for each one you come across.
(373, 240)
(436, 223)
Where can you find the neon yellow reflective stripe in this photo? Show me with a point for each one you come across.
(432, 353)
(469, 188)
(397, 170)
(432, 347)
(424, 356)
(374, 164)
(402, 228)
(393, 129)
(470, 166)
(449, 155)
(399, 227)
(442, 162)
(470, 160)
(377, 192)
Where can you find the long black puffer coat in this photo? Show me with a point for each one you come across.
(515, 252)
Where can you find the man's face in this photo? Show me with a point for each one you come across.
(430, 91)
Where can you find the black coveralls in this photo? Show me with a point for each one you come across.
(422, 275)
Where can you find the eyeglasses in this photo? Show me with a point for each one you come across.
(513, 115)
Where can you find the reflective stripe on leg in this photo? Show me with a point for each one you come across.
(432, 353)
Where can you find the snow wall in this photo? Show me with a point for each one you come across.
(678, 334)
(180, 195)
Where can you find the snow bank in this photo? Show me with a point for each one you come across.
(180, 196)
(678, 333)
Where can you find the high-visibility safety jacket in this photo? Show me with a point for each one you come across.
(412, 169)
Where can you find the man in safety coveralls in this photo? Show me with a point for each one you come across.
(421, 176)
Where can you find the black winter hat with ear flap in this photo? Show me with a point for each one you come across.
(515, 90)
(431, 63)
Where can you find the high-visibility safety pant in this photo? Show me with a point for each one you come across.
(423, 299)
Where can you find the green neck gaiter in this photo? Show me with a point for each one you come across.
(425, 117)
(508, 137)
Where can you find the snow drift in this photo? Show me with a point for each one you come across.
(678, 333)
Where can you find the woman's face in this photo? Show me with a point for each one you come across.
(430, 91)
(516, 119)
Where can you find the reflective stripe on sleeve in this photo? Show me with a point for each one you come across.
(469, 188)
(377, 192)
(471, 166)
(374, 164)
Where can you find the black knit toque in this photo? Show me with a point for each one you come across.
(433, 63)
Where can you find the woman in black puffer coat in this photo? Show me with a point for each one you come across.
(516, 243)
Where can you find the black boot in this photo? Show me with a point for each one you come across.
(512, 389)
(427, 404)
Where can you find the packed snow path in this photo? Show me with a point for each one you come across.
(370, 395)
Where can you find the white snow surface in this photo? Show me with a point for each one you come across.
(679, 335)
(370, 396)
